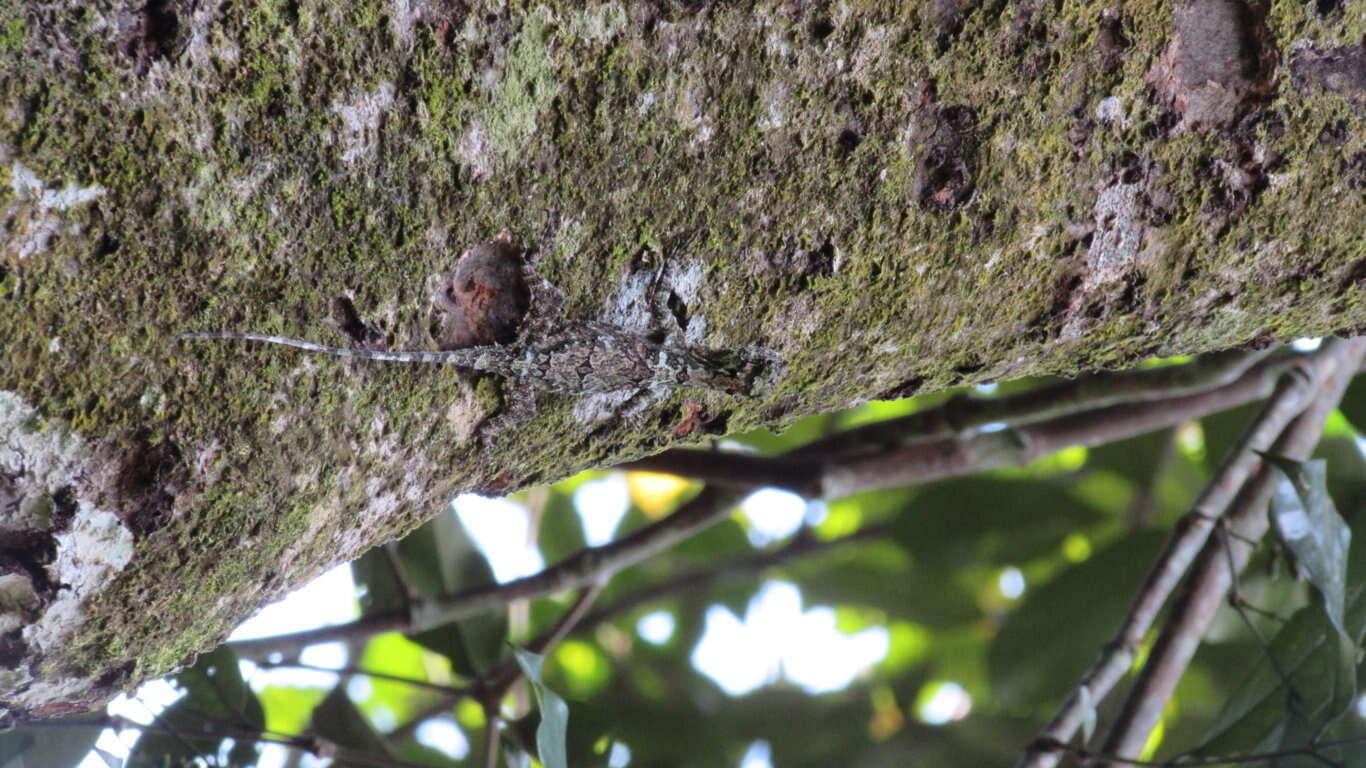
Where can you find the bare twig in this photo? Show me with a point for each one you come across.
(491, 737)
(450, 690)
(587, 566)
(969, 412)
(311, 745)
(508, 672)
(492, 689)
(920, 461)
(1292, 392)
(1212, 576)
(294, 642)
(701, 578)
(689, 581)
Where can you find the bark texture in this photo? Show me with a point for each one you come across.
(888, 198)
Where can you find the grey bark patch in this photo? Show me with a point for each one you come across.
(1336, 70)
(362, 118)
(58, 551)
(1219, 65)
(40, 211)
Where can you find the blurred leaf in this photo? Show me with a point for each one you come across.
(583, 668)
(438, 559)
(552, 733)
(1223, 430)
(412, 751)
(1346, 474)
(337, 720)
(48, 747)
(434, 556)
(216, 696)
(657, 494)
(725, 539)
(1058, 628)
(560, 533)
(1309, 525)
(880, 410)
(1353, 404)
(958, 522)
(378, 591)
(288, 708)
(393, 654)
(877, 574)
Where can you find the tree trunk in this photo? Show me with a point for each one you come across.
(846, 203)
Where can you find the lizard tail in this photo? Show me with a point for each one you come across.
(403, 356)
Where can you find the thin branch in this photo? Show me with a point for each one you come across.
(693, 580)
(312, 745)
(491, 737)
(698, 579)
(508, 672)
(588, 565)
(291, 644)
(1211, 577)
(451, 690)
(920, 461)
(1292, 392)
(495, 686)
(969, 412)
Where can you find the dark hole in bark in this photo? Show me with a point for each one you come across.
(848, 141)
(679, 309)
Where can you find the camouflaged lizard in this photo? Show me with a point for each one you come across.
(584, 358)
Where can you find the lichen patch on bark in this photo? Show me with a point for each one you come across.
(60, 553)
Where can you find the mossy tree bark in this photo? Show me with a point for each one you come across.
(886, 198)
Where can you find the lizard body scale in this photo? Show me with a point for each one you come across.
(585, 359)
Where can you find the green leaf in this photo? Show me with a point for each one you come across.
(215, 696)
(1309, 526)
(560, 533)
(1353, 404)
(49, 747)
(1346, 473)
(553, 732)
(394, 654)
(287, 707)
(337, 720)
(1256, 717)
(1320, 661)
